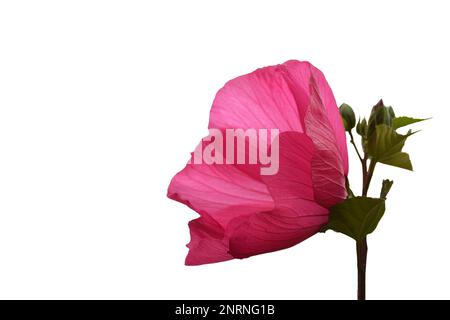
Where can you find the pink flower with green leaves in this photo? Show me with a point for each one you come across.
(244, 213)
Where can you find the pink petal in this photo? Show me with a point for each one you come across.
(296, 215)
(220, 194)
(306, 80)
(242, 215)
(294, 177)
(222, 191)
(260, 99)
(279, 229)
(328, 169)
(207, 243)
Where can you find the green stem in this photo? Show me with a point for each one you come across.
(364, 175)
(361, 245)
(352, 141)
(361, 254)
(368, 178)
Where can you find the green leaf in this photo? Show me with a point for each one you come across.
(385, 188)
(399, 160)
(386, 145)
(356, 217)
(405, 121)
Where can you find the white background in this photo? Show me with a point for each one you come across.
(102, 101)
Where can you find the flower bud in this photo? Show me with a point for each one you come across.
(361, 127)
(380, 115)
(348, 116)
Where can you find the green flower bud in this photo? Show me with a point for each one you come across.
(380, 115)
(361, 127)
(385, 188)
(348, 116)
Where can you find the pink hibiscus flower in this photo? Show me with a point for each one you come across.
(244, 213)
